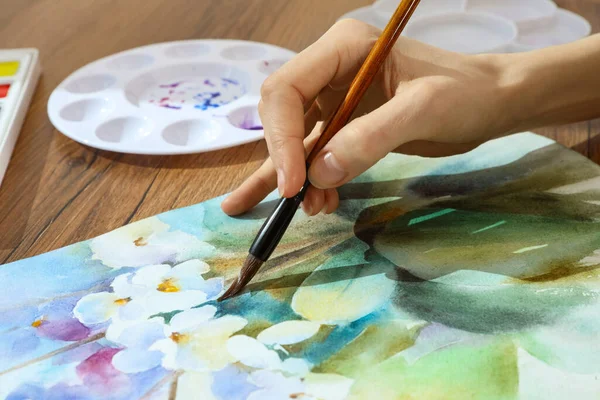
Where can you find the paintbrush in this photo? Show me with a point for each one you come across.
(275, 226)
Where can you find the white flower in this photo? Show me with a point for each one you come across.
(197, 341)
(275, 386)
(96, 308)
(147, 242)
(151, 290)
(290, 378)
(178, 288)
(253, 353)
(288, 332)
(137, 337)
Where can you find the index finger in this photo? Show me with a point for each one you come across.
(331, 60)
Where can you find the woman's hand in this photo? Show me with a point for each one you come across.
(425, 101)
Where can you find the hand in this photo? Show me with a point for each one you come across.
(425, 101)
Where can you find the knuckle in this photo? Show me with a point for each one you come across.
(362, 146)
(369, 144)
(268, 87)
(433, 96)
(277, 143)
(350, 25)
(429, 90)
(353, 32)
(262, 184)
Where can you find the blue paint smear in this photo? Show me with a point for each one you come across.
(207, 100)
(339, 338)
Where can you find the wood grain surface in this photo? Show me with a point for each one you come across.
(57, 191)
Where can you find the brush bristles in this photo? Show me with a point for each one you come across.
(249, 269)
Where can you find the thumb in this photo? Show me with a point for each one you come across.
(363, 142)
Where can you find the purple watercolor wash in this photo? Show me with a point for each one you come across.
(101, 377)
(207, 82)
(245, 118)
(170, 107)
(69, 330)
(78, 354)
(249, 123)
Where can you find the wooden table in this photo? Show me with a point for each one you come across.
(57, 191)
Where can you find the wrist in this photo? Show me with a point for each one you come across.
(551, 86)
(505, 85)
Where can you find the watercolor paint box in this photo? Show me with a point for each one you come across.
(19, 74)
(168, 98)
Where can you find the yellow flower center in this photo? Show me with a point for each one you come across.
(168, 286)
(296, 395)
(122, 302)
(139, 242)
(180, 338)
(38, 322)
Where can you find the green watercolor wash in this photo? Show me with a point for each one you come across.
(461, 372)
(493, 309)
(406, 245)
(360, 355)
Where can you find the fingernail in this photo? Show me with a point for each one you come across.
(307, 208)
(280, 181)
(328, 171)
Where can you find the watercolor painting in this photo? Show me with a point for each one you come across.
(469, 277)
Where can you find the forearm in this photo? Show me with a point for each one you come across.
(553, 86)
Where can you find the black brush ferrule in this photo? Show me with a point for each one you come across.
(276, 224)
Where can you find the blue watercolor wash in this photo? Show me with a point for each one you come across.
(318, 352)
(189, 220)
(59, 272)
(60, 391)
(232, 384)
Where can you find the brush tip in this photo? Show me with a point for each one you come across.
(249, 269)
(231, 291)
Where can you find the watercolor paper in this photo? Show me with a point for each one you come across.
(469, 277)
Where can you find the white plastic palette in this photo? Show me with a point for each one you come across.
(168, 98)
(483, 32)
(483, 26)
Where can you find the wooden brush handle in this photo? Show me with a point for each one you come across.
(366, 74)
